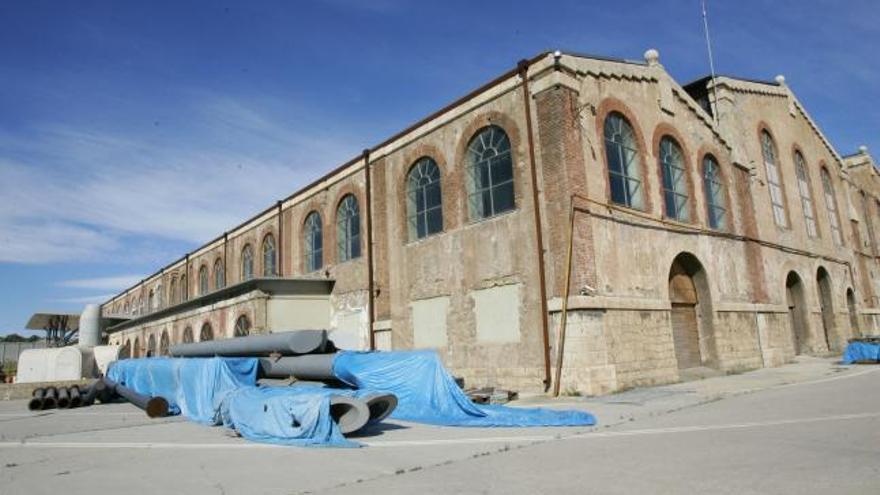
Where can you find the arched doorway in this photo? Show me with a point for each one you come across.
(794, 299)
(823, 282)
(853, 315)
(691, 313)
(136, 350)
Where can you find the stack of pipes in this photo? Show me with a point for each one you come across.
(305, 355)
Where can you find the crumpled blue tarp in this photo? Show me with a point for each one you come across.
(283, 415)
(218, 391)
(194, 387)
(426, 393)
(861, 351)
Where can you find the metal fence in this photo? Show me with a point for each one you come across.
(9, 351)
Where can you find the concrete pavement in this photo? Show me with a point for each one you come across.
(810, 425)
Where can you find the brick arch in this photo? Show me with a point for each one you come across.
(662, 130)
(605, 108)
(726, 179)
(518, 156)
(329, 232)
(447, 192)
(760, 128)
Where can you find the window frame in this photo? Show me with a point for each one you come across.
(413, 189)
(831, 206)
(632, 171)
(246, 264)
(805, 191)
(269, 255)
(348, 242)
(723, 222)
(204, 280)
(482, 192)
(676, 187)
(219, 274)
(313, 242)
(775, 183)
(237, 327)
(206, 326)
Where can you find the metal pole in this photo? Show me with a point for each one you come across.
(155, 407)
(523, 67)
(560, 334)
(370, 286)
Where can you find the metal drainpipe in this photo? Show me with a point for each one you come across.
(523, 67)
(186, 272)
(370, 289)
(225, 259)
(279, 269)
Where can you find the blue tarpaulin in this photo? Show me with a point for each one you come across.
(427, 393)
(861, 352)
(217, 391)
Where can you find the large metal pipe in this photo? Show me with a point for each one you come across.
(155, 407)
(380, 405)
(92, 392)
(50, 398)
(349, 413)
(63, 398)
(284, 343)
(310, 367)
(36, 402)
(75, 396)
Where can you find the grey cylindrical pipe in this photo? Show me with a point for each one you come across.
(92, 392)
(36, 402)
(284, 343)
(155, 407)
(349, 413)
(50, 398)
(75, 396)
(380, 406)
(311, 367)
(63, 398)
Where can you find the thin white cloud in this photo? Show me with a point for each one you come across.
(75, 194)
(103, 283)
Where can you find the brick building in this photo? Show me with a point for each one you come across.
(710, 225)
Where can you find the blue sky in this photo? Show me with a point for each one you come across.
(130, 132)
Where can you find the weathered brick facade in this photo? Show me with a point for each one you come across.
(473, 290)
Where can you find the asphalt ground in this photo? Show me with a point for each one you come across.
(808, 427)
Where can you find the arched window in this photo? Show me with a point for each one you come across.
(348, 229)
(774, 179)
(314, 242)
(716, 198)
(831, 205)
(247, 263)
(184, 288)
(136, 350)
(622, 155)
(219, 274)
(207, 333)
(203, 280)
(159, 296)
(424, 201)
(172, 291)
(151, 304)
(151, 346)
(142, 305)
(163, 343)
(490, 173)
(675, 190)
(242, 326)
(800, 169)
(269, 256)
(187, 335)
